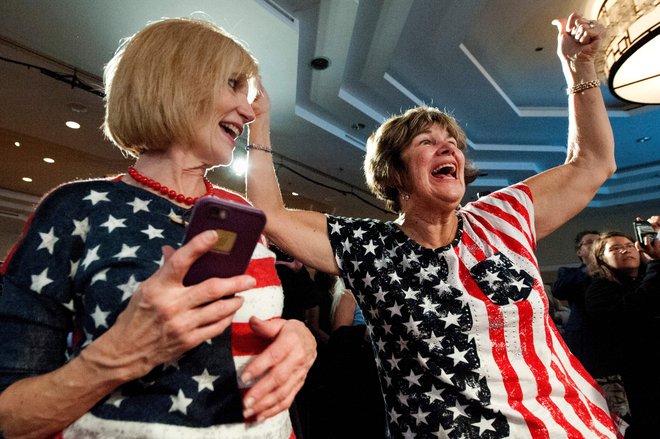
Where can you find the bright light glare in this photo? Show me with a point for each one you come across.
(239, 166)
(295, 194)
(17, 143)
(73, 125)
(48, 160)
(27, 179)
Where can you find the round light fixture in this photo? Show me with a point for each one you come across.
(631, 60)
(73, 125)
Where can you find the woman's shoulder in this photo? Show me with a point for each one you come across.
(90, 190)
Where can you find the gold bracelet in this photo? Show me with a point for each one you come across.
(250, 146)
(582, 86)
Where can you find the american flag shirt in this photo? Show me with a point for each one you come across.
(87, 248)
(465, 346)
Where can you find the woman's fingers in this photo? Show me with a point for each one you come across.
(282, 366)
(178, 263)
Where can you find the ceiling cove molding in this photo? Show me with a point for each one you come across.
(530, 111)
(633, 198)
(324, 124)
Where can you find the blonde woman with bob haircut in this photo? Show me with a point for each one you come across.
(453, 295)
(102, 260)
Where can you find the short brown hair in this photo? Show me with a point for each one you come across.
(161, 81)
(383, 166)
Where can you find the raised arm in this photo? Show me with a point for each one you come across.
(562, 192)
(301, 234)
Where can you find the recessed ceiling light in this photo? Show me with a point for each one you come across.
(17, 143)
(320, 63)
(73, 125)
(48, 160)
(27, 179)
(77, 107)
(295, 194)
(644, 139)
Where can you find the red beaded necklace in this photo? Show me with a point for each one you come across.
(171, 194)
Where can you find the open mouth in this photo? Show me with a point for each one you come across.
(230, 129)
(446, 170)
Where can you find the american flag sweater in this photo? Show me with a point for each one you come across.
(85, 251)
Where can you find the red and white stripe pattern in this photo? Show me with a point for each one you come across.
(541, 388)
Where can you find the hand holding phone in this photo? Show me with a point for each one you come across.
(239, 227)
(642, 230)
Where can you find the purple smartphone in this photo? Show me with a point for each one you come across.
(239, 227)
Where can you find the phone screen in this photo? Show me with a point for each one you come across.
(642, 230)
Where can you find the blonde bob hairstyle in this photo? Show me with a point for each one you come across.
(383, 166)
(161, 82)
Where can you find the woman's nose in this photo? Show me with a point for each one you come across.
(246, 111)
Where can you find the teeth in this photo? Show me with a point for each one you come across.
(451, 167)
(231, 128)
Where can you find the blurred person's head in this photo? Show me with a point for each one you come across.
(615, 256)
(583, 243)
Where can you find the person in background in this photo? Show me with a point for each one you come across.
(623, 308)
(452, 294)
(353, 406)
(570, 286)
(102, 259)
(301, 302)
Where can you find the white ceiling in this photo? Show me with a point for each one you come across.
(491, 63)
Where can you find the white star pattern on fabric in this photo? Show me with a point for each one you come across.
(100, 317)
(458, 356)
(40, 280)
(435, 394)
(113, 223)
(115, 398)
(81, 228)
(450, 319)
(128, 288)
(370, 248)
(205, 380)
(48, 240)
(459, 410)
(358, 233)
(127, 252)
(484, 425)
(100, 276)
(180, 403)
(428, 306)
(74, 268)
(420, 416)
(139, 205)
(519, 284)
(492, 278)
(413, 378)
(395, 310)
(434, 341)
(96, 197)
(153, 232)
(91, 256)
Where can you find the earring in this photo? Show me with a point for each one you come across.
(406, 197)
